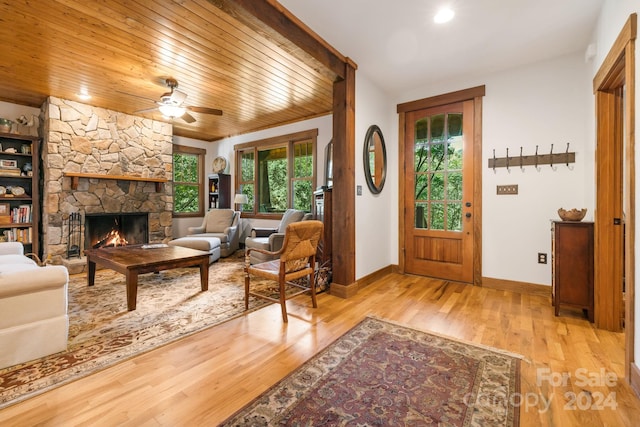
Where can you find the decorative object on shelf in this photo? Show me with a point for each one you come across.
(17, 191)
(8, 164)
(552, 159)
(572, 215)
(240, 200)
(219, 164)
(27, 167)
(5, 125)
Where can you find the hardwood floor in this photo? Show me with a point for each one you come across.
(203, 379)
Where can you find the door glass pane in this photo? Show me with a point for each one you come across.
(454, 186)
(437, 186)
(438, 172)
(422, 187)
(421, 215)
(436, 216)
(437, 128)
(454, 216)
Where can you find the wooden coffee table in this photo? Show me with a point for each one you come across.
(136, 259)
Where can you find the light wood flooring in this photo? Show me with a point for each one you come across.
(202, 379)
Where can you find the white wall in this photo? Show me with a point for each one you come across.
(612, 19)
(376, 214)
(541, 104)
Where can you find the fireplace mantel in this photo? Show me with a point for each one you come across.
(75, 177)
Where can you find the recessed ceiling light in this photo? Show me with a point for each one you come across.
(83, 94)
(444, 15)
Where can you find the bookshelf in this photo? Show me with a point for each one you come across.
(19, 190)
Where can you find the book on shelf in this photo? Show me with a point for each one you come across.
(21, 214)
(23, 235)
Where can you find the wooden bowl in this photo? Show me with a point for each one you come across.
(572, 215)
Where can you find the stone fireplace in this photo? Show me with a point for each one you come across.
(79, 138)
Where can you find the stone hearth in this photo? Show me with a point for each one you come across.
(81, 138)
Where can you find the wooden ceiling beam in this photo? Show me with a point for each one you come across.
(286, 28)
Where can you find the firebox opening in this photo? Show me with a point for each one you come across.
(103, 230)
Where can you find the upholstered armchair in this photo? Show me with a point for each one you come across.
(223, 224)
(271, 239)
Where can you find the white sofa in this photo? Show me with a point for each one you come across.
(33, 307)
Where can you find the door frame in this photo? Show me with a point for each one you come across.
(615, 126)
(475, 94)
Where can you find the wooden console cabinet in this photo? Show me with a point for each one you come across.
(572, 266)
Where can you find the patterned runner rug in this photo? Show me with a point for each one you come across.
(102, 332)
(380, 373)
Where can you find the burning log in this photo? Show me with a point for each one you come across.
(113, 238)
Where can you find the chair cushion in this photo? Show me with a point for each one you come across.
(289, 216)
(218, 220)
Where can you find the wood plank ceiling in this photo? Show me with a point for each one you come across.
(122, 52)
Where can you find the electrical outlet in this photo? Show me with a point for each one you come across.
(542, 258)
(359, 190)
(507, 189)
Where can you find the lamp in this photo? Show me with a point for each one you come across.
(240, 199)
(172, 111)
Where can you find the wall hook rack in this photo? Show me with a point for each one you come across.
(552, 159)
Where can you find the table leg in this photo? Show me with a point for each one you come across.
(91, 272)
(132, 289)
(204, 274)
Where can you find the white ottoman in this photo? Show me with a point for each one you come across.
(206, 244)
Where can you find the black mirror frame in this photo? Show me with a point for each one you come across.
(375, 189)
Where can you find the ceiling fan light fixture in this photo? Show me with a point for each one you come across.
(172, 110)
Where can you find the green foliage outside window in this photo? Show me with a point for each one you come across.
(186, 188)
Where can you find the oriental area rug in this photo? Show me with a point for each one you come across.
(102, 332)
(383, 374)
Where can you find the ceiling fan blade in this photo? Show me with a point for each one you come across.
(205, 110)
(188, 118)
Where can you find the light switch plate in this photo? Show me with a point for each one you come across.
(507, 189)
(359, 190)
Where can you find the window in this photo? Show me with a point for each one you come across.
(188, 181)
(277, 173)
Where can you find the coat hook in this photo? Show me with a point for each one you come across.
(494, 160)
(551, 157)
(521, 168)
(536, 158)
(566, 154)
(508, 160)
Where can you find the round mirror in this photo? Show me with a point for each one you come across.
(375, 159)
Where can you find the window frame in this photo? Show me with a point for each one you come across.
(200, 153)
(287, 141)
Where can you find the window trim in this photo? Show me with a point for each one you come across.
(201, 153)
(277, 141)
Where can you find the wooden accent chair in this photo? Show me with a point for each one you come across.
(296, 260)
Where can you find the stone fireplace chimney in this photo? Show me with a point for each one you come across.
(81, 138)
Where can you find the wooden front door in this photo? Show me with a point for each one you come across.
(438, 192)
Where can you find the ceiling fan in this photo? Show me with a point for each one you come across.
(172, 105)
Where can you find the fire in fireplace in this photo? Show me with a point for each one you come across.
(104, 230)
